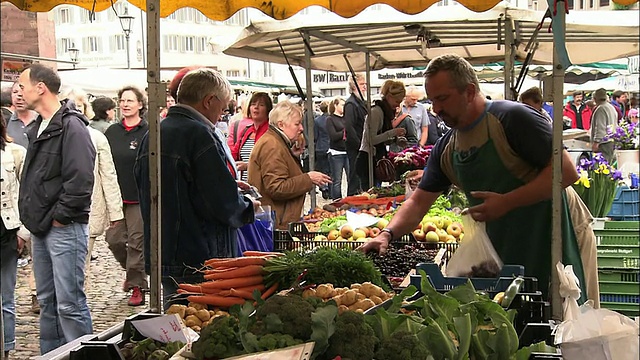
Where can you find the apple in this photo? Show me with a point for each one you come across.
(442, 235)
(346, 231)
(439, 222)
(460, 237)
(333, 234)
(427, 218)
(382, 223)
(432, 236)
(366, 231)
(429, 226)
(340, 238)
(320, 238)
(419, 234)
(447, 221)
(359, 234)
(450, 239)
(375, 232)
(454, 229)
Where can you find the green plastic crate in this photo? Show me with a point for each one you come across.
(629, 225)
(623, 282)
(629, 251)
(617, 237)
(623, 308)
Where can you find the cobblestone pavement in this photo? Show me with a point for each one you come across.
(107, 301)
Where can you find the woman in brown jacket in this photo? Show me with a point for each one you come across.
(275, 168)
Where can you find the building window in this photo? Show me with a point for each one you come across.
(118, 9)
(241, 18)
(202, 44)
(172, 16)
(604, 3)
(200, 18)
(376, 7)
(63, 45)
(91, 44)
(186, 15)
(334, 92)
(63, 16)
(171, 43)
(570, 4)
(117, 43)
(188, 43)
(233, 73)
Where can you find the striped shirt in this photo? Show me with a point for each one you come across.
(245, 152)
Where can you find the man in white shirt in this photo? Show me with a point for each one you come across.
(417, 112)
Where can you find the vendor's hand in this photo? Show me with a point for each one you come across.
(493, 207)
(242, 185)
(414, 177)
(319, 178)
(400, 131)
(378, 244)
(242, 165)
(21, 242)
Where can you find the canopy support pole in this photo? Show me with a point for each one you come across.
(156, 96)
(556, 218)
(308, 122)
(509, 57)
(366, 123)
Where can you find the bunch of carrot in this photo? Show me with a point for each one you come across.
(231, 281)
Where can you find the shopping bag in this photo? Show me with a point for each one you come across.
(588, 333)
(257, 236)
(476, 256)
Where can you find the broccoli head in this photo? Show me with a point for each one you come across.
(292, 310)
(402, 345)
(218, 340)
(353, 338)
(276, 341)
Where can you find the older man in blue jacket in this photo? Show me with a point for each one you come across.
(201, 205)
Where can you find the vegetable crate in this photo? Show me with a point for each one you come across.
(500, 283)
(618, 245)
(620, 291)
(531, 308)
(626, 205)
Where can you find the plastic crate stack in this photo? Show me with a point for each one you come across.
(626, 205)
(619, 266)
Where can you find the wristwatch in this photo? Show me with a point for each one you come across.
(390, 232)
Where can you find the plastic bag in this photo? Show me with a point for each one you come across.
(588, 333)
(476, 256)
(257, 236)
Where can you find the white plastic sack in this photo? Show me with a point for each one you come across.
(476, 250)
(594, 334)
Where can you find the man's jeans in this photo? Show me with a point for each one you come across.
(59, 261)
(338, 163)
(8, 284)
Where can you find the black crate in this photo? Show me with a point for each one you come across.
(96, 350)
(531, 308)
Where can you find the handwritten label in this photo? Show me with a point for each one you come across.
(165, 328)
(298, 352)
(439, 256)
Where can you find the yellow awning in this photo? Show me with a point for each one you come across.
(277, 9)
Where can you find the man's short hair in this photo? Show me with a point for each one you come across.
(101, 105)
(600, 95)
(533, 94)
(617, 94)
(5, 97)
(577, 92)
(460, 70)
(353, 83)
(46, 75)
(200, 83)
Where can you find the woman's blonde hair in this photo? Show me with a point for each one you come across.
(284, 111)
(394, 89)
(80, 96)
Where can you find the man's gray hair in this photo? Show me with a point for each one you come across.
(200, 83)
(460, 71)
(284, 111)
(353, 83)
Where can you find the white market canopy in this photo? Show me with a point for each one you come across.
(392, 41)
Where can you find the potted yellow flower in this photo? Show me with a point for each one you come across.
(597, 184)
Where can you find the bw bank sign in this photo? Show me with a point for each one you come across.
(325, 78)
(377, 76)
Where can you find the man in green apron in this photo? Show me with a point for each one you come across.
(500, 154)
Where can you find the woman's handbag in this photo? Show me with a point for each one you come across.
(385, 171)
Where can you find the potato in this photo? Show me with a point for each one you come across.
(360, 296)
(366, 304)
(206, 323)
(355, 286)
(376, 299)
(203, 315)
(192, 320)
(308, 293)
(342, 308)
(359, 311)
(196, 328)
(324, 291)
(350, 297)
(177, 309)
(190, 311)
(340, 291)
(197, 306)
(212, 313)
(337, 299)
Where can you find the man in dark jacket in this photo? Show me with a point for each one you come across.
(55, 199)
(355, 112)
(321, 139)
(201, 205)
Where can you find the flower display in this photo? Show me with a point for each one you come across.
(597, 184)
(625, 136)
(413, 158)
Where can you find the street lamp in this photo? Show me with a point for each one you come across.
(73, 54)
(126, 21)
